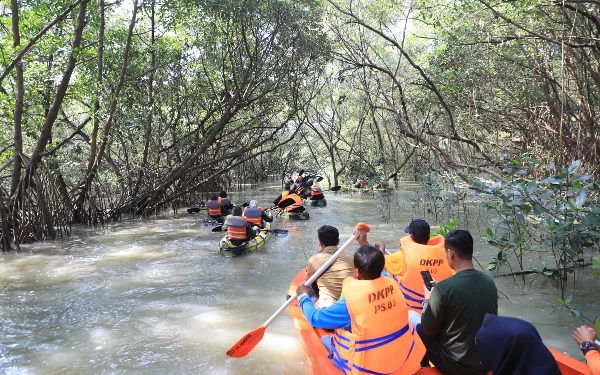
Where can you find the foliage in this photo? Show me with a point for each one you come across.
(444, 228)
(552, 217)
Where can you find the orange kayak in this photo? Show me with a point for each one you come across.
(319, 364)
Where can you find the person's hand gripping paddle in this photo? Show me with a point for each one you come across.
(251, 339)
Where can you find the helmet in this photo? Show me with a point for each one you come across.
(253, 203)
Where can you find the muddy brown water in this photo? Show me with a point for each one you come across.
(155, 297)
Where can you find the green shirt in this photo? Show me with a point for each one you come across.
(455, 312)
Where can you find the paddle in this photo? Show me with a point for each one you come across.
(251, 339)
(335, 188)
(597, 342)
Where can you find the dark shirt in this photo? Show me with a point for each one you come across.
(455, 312)
(250, 233)
(266, 217)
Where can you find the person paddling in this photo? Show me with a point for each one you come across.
(418, 252)
(255, 215)
(225, 201)
(289, 200)
(238, 229)
(283, 195)
(316, 194)
(215, 210)
(372, 332)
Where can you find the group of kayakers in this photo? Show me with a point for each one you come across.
(425, 304)
(242, 223)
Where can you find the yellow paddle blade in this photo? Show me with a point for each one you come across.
(247, 343)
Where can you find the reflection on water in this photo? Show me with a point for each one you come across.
(155, 297)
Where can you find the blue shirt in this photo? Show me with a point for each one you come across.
(332, 317)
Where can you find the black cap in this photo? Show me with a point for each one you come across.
(418, 229)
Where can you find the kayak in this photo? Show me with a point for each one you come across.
(295, 215)
(226, 248)
(320, 202)
(320, 364)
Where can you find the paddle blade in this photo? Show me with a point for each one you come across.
(301, 172)
(193, 210)
(246, 343)
(280, 232)
(217, 229)
(335, 188)
(319, 179)
(364, 226)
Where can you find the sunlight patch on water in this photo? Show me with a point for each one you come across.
(44, 269)
(136, 252)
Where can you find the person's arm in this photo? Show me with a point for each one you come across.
(433, 313)
(286, 202)
(266, 217)
(587, 334)
(593, 360)
(250, 232)
(332, 317)
(396, 263)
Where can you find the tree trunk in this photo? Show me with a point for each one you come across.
(91, 172)
(148, 132)
(99, 79)
(18, 114)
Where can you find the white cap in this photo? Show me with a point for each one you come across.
(253, 203)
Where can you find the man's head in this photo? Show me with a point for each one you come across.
(286, 187)
(368, 263)
(419, 231)
(223, 194)
(237, 211)
(213, 197)
(328, 236)
(459, 247)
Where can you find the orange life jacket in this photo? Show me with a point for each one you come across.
(236, 228)
(214, 208)
(382, 340)
(314, 192)
(253, 215)
(297, 202)
(430, 257)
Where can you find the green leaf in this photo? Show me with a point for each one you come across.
(581, 198)
(574, 167)
(547, 194)
(489, 232)
(532, 187)
(577, 314)
(568, 299)
(597, 324)
(550, 166)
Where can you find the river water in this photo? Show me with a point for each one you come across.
(155, 297)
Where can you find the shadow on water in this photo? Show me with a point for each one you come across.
(155, 297)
